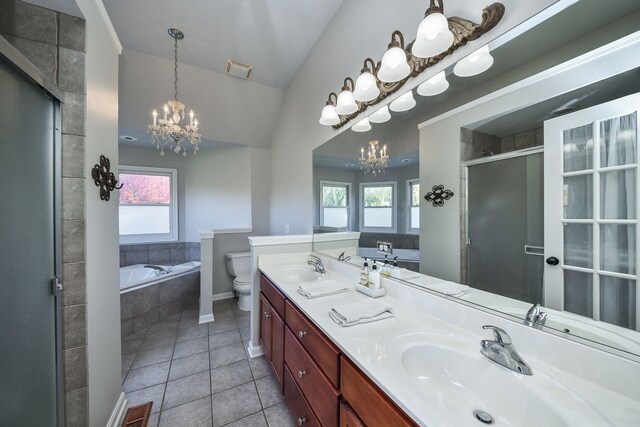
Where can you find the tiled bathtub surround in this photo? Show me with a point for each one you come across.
(159, 253)
(399, 241)
(142, 308)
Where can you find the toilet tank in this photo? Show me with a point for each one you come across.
(238, 263)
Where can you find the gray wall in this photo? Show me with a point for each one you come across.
(55, 43)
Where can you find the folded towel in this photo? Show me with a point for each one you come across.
(321, 289)
(450, 288)
(360, 312)
(406, 274)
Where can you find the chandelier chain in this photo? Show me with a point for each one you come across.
(175, 69)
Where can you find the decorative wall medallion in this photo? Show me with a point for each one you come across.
(438, 195)
(104, 178)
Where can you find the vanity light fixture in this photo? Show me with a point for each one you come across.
(434, 86)
(346, 103)
(362, 126)
(367, 85)
(168, 131)
(375, 161)
(381, 116)
(394, 66)
(475, 63)
(405, 103)
(329, 116)
(434, 36)
(437, 37)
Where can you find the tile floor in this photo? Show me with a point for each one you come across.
(200, 375)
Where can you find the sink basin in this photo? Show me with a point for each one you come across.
(298, 274)
(451, 376)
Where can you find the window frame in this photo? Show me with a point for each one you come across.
(335, 184)
(394, 207)
(172, 236)
(410, 183)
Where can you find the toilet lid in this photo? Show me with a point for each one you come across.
(243, 279)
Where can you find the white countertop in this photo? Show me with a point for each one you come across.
(367, 345)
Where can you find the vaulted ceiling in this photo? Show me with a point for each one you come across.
(273, 36)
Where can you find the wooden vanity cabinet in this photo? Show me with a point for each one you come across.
(348, 417)
(321, 386)
(272, 329)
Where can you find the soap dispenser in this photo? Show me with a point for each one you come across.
(364, 274)
(386, 268)
(374, 277)
(395, 271)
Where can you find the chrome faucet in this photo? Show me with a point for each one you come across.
(317, 264)
(501, 351)
(343, 258)
(158, 268)
(535, 316)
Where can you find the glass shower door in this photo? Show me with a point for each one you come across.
(506, 226)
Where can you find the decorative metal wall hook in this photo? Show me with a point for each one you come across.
(438, 195)
(104, 178)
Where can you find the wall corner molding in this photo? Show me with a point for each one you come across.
(118, 412)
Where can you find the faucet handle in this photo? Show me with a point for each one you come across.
(500, 335)
(315, 258)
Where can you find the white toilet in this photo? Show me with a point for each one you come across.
(239, 266)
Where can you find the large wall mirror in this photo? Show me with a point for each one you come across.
(540, 153)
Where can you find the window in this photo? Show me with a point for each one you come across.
(148, 205)
(413, 211)
(334, 202)
(378, 207)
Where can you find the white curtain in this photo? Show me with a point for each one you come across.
(618, 201)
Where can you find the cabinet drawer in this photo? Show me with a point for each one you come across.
(324, 352)
(275, 297)
(300, 409)
(317, 389)
(370, 403)
(348, 418)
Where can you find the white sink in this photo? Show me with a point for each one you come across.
(450, 374)
(298, 274)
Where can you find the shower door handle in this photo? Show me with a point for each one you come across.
(553, 260)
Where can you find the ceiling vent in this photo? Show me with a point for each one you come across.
(238, 69)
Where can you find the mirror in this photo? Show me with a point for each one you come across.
(499, 242)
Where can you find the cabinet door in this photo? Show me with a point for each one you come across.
(277, 347)
(266, 326)
(348, 418)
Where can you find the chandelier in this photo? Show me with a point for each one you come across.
(169, 131)
(376, 160)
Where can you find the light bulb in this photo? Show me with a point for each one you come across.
(474, 64)
(404, 103)
(434, 86)
(380, 116)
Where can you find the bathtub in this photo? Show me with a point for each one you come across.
(137, 276)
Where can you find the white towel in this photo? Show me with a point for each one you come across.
(321, 289)
(360, 312)
(450, 288)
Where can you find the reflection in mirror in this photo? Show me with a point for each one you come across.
(546, 207)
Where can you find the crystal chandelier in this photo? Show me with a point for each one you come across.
(168, 131)
(376, 160)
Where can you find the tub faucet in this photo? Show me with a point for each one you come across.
(317, 264)
(535, 316)
(158, 268)
(501, 351)
(344, 258)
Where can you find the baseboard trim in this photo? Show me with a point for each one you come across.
(118, 412)
(205, 319)
(224, 295)
(254, 351)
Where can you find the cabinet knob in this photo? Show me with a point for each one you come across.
(302, 373)
(301, 334)
(267, 314)
(301, 421)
